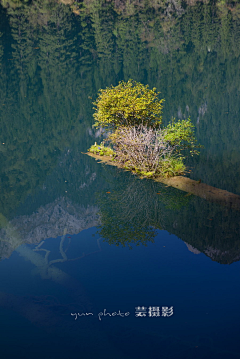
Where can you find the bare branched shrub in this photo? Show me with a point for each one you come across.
(141, 148)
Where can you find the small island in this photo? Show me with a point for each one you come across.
(130, 113)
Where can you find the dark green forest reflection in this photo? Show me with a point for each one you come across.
(56, 55)
(132, 209)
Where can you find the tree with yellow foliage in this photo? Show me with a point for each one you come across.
(128, 104)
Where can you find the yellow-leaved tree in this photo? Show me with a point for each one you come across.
(128, 104)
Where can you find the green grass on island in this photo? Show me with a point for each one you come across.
(169, 167)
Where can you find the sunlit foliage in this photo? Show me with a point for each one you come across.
(181, 135)
(128, 104)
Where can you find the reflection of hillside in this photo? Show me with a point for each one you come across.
(208, 228)
(133, 208)
(50, 221)
(192, 249)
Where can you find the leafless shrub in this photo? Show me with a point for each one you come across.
(141, 148)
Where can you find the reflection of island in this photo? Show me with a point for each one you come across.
(186, 184)
(134, 208)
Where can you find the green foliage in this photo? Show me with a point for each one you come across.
(172, 166)
(14, 3)
(181, 135)
(147, 174)
(101, 150)
(168, 167)
(128, 104)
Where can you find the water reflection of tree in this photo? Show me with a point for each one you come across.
(133, 209)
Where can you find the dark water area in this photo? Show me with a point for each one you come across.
(95, 262)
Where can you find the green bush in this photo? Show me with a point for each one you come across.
(101, 150)
(172, 166)
(181, 134)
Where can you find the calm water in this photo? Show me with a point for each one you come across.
(80, 237)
